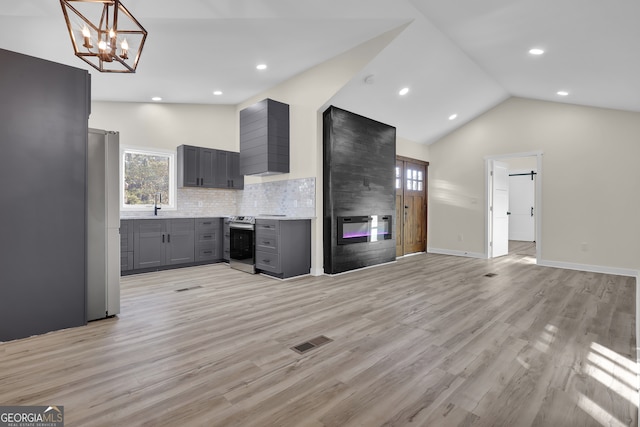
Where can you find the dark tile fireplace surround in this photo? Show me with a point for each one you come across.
(359, 191)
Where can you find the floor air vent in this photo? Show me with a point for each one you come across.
(490, 274)
(188, 289)
(311, 344)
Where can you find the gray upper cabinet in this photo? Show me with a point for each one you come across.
(264, 138)
(236, 179)
(188, 166)
(208, 168)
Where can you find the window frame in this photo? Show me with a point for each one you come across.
(171, 155)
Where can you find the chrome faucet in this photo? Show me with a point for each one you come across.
(156, 208)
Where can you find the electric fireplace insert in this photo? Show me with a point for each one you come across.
(361, 229)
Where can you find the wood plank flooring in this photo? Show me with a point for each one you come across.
(427, 341)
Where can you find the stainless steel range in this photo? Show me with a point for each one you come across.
(242, 242)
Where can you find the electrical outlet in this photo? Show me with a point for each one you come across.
(584, 246)
(460, 237)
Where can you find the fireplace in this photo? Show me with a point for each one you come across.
(361, 229)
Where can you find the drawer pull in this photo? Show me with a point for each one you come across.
(208, 252)
(266, 243)
(207, 223)
(207, 237)
(266, 261)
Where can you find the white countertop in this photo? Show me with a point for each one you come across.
(283, 218)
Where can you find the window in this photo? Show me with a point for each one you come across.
(147, 177)
(414, 180)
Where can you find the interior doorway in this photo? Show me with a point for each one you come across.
(523, 206)
(411, 205)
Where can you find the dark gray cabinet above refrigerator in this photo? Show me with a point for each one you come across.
(264, 138)
(208, 168)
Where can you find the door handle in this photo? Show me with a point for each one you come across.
(531, 210)
(508, 213)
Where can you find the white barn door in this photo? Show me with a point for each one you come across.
(522, 206)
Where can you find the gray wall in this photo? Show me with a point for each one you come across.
(43, 134)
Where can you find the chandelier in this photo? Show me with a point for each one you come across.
(104, 34)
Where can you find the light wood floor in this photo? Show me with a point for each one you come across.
(427, 341)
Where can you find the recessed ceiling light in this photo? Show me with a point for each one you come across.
(562, 93)
(453, 116)
(156, 98)
(404, 91)
(217, 92)
(536, 51)
(261, 66)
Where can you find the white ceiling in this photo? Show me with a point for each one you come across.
(459, 57)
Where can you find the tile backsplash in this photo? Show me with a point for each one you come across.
(295, 197)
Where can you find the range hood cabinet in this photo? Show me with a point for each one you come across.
(264, 138)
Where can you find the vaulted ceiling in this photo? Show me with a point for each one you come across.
(456, 57)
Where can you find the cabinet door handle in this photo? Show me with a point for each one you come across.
(168, 238)
(163, 238)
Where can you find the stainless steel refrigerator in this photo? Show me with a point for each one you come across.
(103, 224)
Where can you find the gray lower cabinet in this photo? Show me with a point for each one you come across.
(180, 247)
(167, 243)
(283, 247)
(226, 239)
(159, 242)
(126, 244)
(208, 239)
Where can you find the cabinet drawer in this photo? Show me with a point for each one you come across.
(207, 236)
(206, 224)
(267, 242)
(268, 261)
(267, 226)
(206, 253)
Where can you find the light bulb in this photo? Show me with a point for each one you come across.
(87, 37)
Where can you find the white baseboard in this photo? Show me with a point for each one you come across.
(456, 253)
(317, 272)
(591, 268)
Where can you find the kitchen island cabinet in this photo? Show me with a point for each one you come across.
(283, 247)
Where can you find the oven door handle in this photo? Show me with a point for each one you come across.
(241, 226)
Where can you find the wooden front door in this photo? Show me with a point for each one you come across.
(411, 206)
